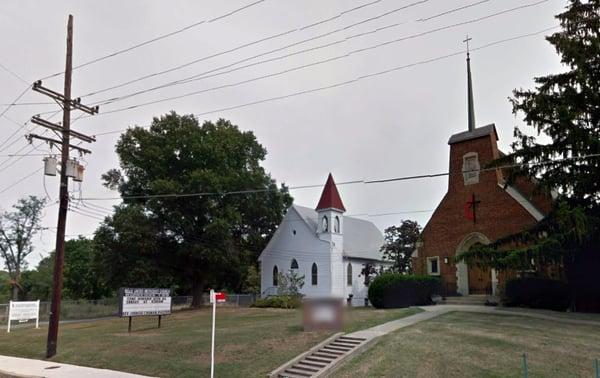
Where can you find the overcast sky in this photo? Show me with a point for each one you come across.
(390, 125)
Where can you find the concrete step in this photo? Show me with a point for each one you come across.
(295, 372)
(306, 368)
(289, 375)
(318, 360)
(325, 355)
(341, 346)
(317, 363)
(470, 300)
(311, 363)
(346, 342)
(336, 348)
(349, 338)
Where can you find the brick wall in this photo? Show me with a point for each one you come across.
(497, 215)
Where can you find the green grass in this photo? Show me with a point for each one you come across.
(480, 345)
(250, 341)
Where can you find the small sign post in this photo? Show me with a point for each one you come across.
(23, 311)
(214, 298)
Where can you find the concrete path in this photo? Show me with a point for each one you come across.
(13, 367)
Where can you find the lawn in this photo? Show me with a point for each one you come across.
(480, 345)
(250, 342)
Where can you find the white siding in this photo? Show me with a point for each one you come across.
(305, 247)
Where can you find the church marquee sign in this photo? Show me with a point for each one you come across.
(144, 302)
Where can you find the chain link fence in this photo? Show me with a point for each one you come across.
(102, 308)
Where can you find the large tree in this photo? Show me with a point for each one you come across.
(197, 202)
(564, 107)
(400, 242)
(17, 229)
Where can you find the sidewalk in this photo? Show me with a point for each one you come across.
(13, 367)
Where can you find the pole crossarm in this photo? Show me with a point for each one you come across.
(74, 103)
(53, 126)
(57, 143)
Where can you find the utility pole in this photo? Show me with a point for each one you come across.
(65, 133)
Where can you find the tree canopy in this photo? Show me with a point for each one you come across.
(198, 206)
(400, 242)
(17, 229)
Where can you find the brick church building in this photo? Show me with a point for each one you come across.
(478, 208)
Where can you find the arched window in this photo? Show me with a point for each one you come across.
(314, 274)
(275, 274)
(336, 225)
(325, 222)
(294, 264)
(349, 274)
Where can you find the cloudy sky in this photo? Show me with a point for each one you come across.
(389, 125)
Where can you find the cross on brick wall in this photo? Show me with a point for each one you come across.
(471, 209)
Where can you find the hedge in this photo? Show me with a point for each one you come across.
(280, 301)
(393, 290)
(538, 292)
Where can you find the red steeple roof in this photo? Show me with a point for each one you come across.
(330, 198)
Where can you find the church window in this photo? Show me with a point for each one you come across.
(275, 275)
(294, 264)
(325, 222)
(349, 274)
(314, 274)
(336, 225)
(471, 168)
(433, 266)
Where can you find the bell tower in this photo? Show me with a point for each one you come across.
(330, 227)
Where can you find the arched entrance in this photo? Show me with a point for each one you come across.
(471, 279)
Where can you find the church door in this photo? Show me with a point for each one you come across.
(480, 281)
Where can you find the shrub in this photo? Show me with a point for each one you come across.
(280, 301)
(392, 290)
(538, 292)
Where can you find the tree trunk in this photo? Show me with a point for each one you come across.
(15, 290)
(197, 291)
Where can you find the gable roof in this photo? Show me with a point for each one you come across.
(362, 239)
(330, 198)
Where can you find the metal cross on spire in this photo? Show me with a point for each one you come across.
(469, 39)
(471, 105)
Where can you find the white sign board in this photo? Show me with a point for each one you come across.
(24, 311)
(144, 302)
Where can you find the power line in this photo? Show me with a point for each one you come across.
(445, 13)
(15, 100)
(319, 62)
(14, 74)
(205, 75)
(359, 78)
(360, 181)
(144, 77)
(20, 180)
(160, 37)
(356, 79)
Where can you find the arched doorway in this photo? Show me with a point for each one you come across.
(480, 279)
(472, 279)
